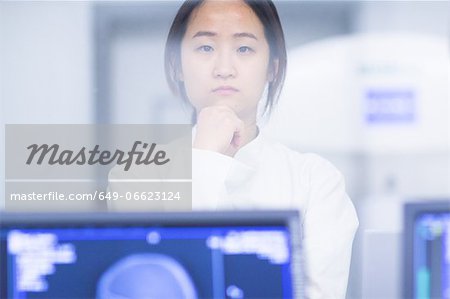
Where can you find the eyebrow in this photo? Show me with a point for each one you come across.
(212, 34)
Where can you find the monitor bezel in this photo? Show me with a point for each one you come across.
(203, 218)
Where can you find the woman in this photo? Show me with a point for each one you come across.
(222, 57)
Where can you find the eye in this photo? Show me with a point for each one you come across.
(245, 50)
(205, 48)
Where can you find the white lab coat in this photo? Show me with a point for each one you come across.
(268, 175)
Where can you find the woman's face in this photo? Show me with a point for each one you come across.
(225, 57)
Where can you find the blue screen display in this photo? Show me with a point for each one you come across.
(432, 256)
(148, 262)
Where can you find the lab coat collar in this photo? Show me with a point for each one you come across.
(244, 164)
(249, 154)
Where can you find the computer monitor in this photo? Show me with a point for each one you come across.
(151, 255)
(427, 250)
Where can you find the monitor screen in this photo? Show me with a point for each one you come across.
(170, 255)
(427, 250)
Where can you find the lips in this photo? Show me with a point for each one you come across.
(225, 90)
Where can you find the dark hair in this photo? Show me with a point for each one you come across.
(266, 12)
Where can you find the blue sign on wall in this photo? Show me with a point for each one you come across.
(390, 105)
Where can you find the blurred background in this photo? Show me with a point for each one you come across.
(367, 87)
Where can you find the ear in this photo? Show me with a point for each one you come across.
(176, 73)
(179, 75)
(273, 70)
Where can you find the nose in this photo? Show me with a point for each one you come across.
(224, 66)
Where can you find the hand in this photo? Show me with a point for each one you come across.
(219, 129)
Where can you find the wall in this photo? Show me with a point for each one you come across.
(45, 63)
